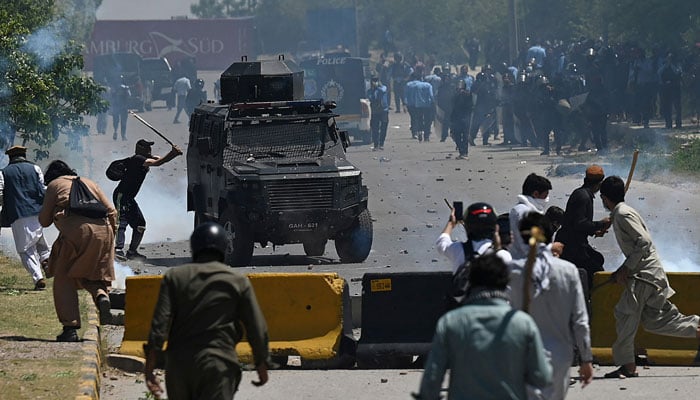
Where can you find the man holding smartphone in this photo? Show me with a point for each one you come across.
(480, 222)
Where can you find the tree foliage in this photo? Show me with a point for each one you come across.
(42, 90)
(440, 27)
(223, 8)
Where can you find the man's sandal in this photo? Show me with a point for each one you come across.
(621, 373)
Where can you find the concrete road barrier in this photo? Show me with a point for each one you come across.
(140, 302)
(307, 314)
(659, 350)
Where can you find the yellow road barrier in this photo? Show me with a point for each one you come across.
(304, 313)
(659, 350)
(140, 302)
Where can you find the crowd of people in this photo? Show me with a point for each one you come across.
(526, 295)
(524, 276)
(568, 91)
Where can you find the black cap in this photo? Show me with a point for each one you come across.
(145, 143)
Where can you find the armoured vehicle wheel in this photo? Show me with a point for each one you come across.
(353, 245)
(315, 248)
(240, 250)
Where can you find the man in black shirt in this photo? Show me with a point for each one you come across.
(124, 196)
(578, 224)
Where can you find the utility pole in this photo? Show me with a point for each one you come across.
(512, 31)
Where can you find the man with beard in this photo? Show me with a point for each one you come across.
(577, 225)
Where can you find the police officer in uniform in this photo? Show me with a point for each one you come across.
(203, 309)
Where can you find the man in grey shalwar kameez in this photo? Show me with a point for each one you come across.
(646, 292)
(558, 307)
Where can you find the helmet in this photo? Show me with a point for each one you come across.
(200, 83)
(480, 220)
(209, 236)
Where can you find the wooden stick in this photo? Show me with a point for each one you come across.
(634, 164)
(143, 121)
(536, 236)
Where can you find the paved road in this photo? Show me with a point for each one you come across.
(407, 184)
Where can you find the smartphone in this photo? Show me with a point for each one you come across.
(458, 206)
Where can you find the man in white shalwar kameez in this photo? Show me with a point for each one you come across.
(21, 195)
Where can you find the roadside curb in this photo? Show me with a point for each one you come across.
(89, 383)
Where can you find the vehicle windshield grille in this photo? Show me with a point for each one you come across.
(284, 143)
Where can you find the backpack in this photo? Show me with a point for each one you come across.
(83, 202)
(117, 169)
(460, 279)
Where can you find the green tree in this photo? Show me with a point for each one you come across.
(42, 90)
(223, 8)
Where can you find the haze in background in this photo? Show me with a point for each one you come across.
(139, 9)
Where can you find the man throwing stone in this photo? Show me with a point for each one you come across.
(646, 292)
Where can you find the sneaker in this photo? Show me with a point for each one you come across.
(381, 147)
(40, 284)
(104, 308)
(119, 253)
(69, 334)
(114, 136)
(135, 255)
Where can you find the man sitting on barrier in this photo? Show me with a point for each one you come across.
(200, 311)
(505, 341)
(646, 293)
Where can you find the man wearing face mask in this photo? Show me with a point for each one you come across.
(577, 225)
(534, 197)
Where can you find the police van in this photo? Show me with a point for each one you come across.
(345, 80)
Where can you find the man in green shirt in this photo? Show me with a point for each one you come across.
(492, 350)
(201, 310)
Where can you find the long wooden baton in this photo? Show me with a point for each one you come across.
(536, 236)
(143, 121)
(634, 164)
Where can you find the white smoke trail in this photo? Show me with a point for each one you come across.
(121, 272)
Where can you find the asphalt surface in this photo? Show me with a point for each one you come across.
(407, 184)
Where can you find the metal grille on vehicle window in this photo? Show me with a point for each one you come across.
(286, 143)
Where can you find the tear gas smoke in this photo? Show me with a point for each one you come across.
(121, 272)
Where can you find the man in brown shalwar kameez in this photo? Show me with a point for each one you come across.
(83, 254)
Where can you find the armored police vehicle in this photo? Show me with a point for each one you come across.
(271, 167)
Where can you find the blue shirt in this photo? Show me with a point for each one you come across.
(378, 99)
(419, 94)
(537, 52)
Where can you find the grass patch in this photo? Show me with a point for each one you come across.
(686, 156)
(32, 364)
